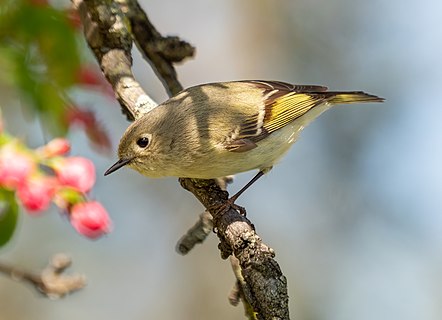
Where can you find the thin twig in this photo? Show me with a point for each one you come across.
(51, 282)
(197, 234)
(21, 275)
(161, 52)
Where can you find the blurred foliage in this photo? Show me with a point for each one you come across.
(8, 215)
(40, 61)
(39, 56)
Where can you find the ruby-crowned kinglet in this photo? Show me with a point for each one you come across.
(219, 129)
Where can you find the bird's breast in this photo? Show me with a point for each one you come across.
(219, 162)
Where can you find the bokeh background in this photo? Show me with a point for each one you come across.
(354, 211)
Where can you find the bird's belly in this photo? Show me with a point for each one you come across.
(264, 156)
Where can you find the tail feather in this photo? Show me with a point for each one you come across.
(352, 97)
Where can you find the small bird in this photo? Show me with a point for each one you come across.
(219, 129)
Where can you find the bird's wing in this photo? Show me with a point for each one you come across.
(282, 104)
(284, 87)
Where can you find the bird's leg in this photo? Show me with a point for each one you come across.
(235, 197)
(230, 203)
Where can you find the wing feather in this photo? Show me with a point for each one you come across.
(289, 107)
(282, 104)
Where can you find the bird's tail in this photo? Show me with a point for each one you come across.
(351, 97)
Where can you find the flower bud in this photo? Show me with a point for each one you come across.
(15, 167)
(36, 193)
(90, 219)
(76, 172)
(55, 147)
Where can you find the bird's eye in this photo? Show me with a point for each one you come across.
(143, 142)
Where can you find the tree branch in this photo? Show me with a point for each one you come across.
(111, 43)
(264, 286)
(196, 234)
(237, 292)
(50, 282)
(159, 51)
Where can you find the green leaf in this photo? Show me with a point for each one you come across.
(40, 56)
(8, 215)
(49, 29)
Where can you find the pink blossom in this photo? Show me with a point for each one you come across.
(55, 147)
(76, 172)
(15, 167)
(90, 219)
(36, 193)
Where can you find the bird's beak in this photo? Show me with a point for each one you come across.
(117, 165)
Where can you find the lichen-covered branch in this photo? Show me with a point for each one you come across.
(51, 282)
(109, 39)
(264, 286)
(237, 294)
